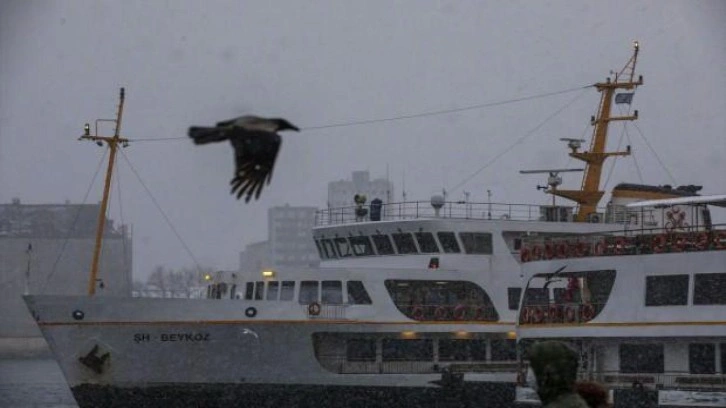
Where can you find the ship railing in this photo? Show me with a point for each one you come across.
(682, 380)
(423, 209)
(561, 312)
(340, 364)
(625, 242)
(325, 311)
(449, 312)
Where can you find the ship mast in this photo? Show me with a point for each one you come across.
(590, 194)
(113, 143)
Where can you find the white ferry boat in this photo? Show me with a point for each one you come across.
(414, 304)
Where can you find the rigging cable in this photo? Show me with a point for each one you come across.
(413, 115)
(158, 207)
(123, 224)
(673, 179)
(75, 220)
(518, 141)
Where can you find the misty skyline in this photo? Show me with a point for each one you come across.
(319, 63)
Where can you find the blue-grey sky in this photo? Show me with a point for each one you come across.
(324, 62)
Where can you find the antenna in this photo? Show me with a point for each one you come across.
(553, 180)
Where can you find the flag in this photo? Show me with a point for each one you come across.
(624, 98)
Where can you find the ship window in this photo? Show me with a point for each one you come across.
(408, 350)
(504, 350)
(448, 242)
(273, 288)
(332, 292)
(404, 243)
(514, 295)
(259, 289)
(308, 292)
(426, 300)
(476, 242)
(666, 290)
(249, 290)
(357, 294)
(361, 246)
(360, 350)
(319, 246)
(453, 350)
(478, 349)
(329, 249)
(343, 246)
(383, 244)
(427, 243)
(287, 292)
(641, 358)
(702, 358)
(709, 289)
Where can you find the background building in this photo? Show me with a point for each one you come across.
(290, 242)
(342, 192)
(47, 248)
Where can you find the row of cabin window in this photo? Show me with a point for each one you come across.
(325, 292)
(672, 290)
(650, 358)
(424, 242)
(367, 350)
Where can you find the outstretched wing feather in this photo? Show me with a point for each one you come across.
(255, 155)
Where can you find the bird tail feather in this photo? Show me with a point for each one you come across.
(204, 135)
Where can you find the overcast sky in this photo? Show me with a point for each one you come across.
(325, 62)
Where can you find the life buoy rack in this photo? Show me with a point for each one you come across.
(588, 312)
(659, 243)
(525, 255)
(579, 249)
(620, 244)
(570, 314)
(251, 312)
(680, 243)
(314, 309)
(461, 312)
(702, 241)
(417, 313)
(537, 253)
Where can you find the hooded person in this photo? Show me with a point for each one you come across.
(553, 366)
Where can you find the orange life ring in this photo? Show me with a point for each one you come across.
(620, 243)
(536, 253)
(314, 309)
(562, 250)
(570, 314)
(548, 251)
(679, 243)
(588, 312)
(600, 248)
(525, 255)
(440, 313)
(554, 313)
(461, 312)
(417, 313)
(703, 241)
(537, 315)
(659, 243)
(719, 240)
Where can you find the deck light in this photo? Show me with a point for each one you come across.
(207, 277)
(268, 274)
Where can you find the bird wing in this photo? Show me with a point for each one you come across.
(255, 154)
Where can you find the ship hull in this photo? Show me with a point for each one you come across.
(175, 352)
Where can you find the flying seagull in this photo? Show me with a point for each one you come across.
(255, 142)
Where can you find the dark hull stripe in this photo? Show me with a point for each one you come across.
(492, 395)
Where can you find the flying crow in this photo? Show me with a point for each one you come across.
(255, 142)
